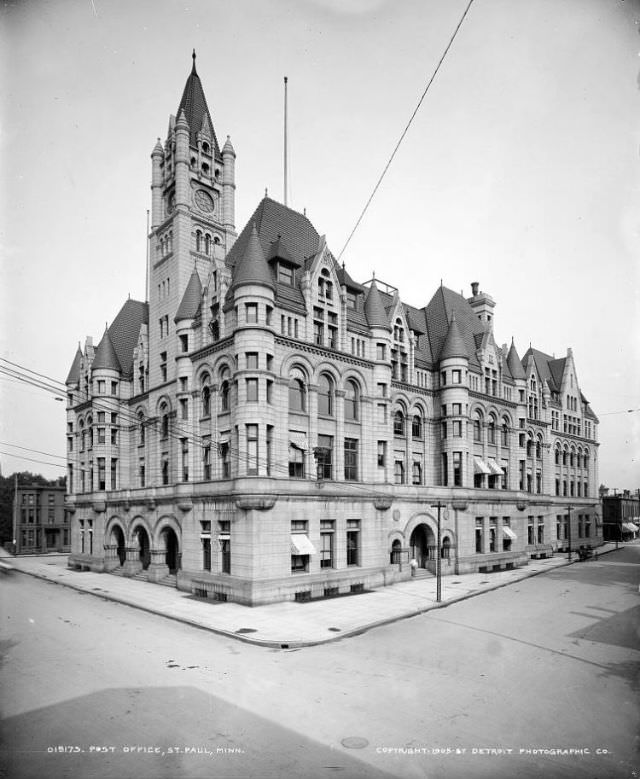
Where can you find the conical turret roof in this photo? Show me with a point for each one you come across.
(194, 105)
(454, 345)
(105, 356)
(74, 371)
(513, 361)
(191, 300)
(252, 266)
(374, 308)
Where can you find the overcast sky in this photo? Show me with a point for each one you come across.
(520, 170)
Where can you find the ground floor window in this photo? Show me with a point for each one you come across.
(530, 532)
(479, 535)
(206, 554)
(224, 539)
(541, 530)
(506, 539)
(327, 529)
(353, 542)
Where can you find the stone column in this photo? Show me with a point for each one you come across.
(132, 564)
(158, 567)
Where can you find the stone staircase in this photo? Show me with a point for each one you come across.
(141, 576)
(169, 581)
(422, 573)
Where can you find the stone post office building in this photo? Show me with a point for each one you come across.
(264, 427)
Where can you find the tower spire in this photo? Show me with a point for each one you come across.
(193, 57)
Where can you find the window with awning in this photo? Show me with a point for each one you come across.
(494, 468)
(301, 544)
(480, 466)
(506, 531)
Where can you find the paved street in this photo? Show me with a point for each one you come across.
(547, 663)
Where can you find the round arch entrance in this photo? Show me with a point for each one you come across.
(421, 540)
(117, 538)
(172, 547)
(143, 545)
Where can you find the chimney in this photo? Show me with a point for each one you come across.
(474, 288)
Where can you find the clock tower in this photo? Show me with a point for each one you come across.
(192, 217)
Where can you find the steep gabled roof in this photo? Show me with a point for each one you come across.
(191, 300)
(551, 369)
(125, 331)
(272, 220)
(74, 371)
(105, 356)
(251, 267)
(194, 105)
(439, 312)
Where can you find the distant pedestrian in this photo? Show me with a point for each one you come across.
(414, 565)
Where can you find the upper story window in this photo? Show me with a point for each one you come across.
(477, 426)
(325, 395)
(491, 430)
(297, 395)
(206, 396)
(398, 422)
(251, 310)
(416, 426)
(224, 389)
(325, 286)
(286, 274)
(505, 432)
(164, 421)
(351, 401)
(398, 331)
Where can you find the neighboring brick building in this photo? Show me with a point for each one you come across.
(40, 519)
(621, 516)
(266, 428)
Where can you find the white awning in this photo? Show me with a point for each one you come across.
(224, 439)
(509, 533)
(299, 440)
(300, 544)
(480, 466)
(496, 470)
(630, 527)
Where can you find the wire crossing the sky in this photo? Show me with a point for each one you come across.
(408, 125)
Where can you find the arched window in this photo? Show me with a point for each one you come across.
(529, 446)
(164, 421)
(206, 396)
(141, 430)
(398, 331)
(416, 426)
(90, 431)
(557, 456)
(198, 240)
(538, 449)
(325, 286)
(505, 432)
(325, 395)
(398, 422)
(564, 457)
(216, 240)
(194, 162)
(351, 401)
(207, 243)
(224, 389)
(477, 426)
(297, 395)
(205, 168)
(205, 147)
(491, 429)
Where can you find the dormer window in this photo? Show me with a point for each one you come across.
(285, 274)
(398, 331)
(205, 168)
(206, 148)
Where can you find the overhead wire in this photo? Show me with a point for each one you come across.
(406, 129)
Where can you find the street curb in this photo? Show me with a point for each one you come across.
(275, 644)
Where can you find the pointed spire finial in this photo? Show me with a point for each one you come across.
(266, 192)
(193, 57)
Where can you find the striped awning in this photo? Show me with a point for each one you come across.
(509, 533)
(630, 527)
(480, 466)
(299, 440)
(300, 544)
(496, 470)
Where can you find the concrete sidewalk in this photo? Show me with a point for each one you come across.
(285, 625)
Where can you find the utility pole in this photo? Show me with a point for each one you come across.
(15, 514)
(438, 506)
(569, 529)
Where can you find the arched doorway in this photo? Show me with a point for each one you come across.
(420, 541)
(144, 547)
(117, 537)
(396, 551)
(172, 556)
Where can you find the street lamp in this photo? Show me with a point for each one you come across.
(438, 506)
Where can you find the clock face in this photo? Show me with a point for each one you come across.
(203, 200)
